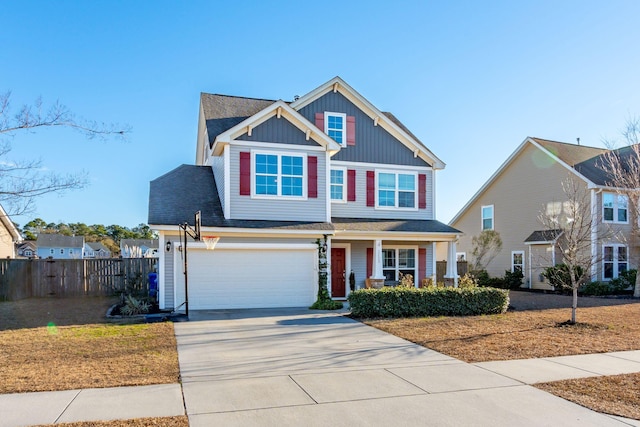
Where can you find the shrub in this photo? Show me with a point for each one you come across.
(513, 280)
(595, 289)
(133, 306)
(406, 281)
(467, 281)
(412, 302)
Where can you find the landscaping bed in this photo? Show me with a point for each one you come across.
(138, 422)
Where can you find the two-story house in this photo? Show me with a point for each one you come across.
(59, 246)
(139, 248)
(9, 236)
(530, 183)
(273, 177)
(96, 250)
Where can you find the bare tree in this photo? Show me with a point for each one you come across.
(21, 182)
(485, 247)
(577, 225)
(622, 167)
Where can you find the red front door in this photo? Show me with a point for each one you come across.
(338, 266)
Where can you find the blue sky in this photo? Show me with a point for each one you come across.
(471, 79)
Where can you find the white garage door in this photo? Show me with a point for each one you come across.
(248, 278)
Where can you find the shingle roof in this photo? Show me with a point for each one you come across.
(399, 225)
(97, 246)
(177, 195)
(593, 168)
(222, 112)
(59, 241)
(543, 236)
(149, 243)
(571, 154)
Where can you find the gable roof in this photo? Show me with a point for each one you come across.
(222, 112)
(97, 246)
(387, 120)
(543, 236)
(567, 155)
(149, 243)
(277, 109)
(46, 240)
(10, 226)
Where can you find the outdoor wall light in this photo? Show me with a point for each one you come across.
(167, 246)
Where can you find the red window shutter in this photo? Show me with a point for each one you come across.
(422, 265)
(245, 173)
(312, 177)
(351, 130)
(351, 185)
(422, 191)
(371, 188)
(369, 262)
(320, 121)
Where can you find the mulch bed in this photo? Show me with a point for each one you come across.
(138, 422)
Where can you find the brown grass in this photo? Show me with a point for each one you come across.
(522, 335)
(87, 355)
(616, 395)
(138, 422)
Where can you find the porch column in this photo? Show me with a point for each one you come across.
(452, 263)
(377, 260)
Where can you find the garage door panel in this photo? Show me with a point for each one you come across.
(229, 278)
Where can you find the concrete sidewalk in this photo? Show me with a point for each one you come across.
(297, 367)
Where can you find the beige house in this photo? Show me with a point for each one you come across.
(528, 183)
(9, 236)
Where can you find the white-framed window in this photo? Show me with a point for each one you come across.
(461, 256)
(52, 251)
(279, 175)
(61, 251)
(487, 217)
(615, 208)
(28, 252)
(399, 260)
(335, 125)
(396, 190)
(517, 261)
(338, 184)
(615, 260)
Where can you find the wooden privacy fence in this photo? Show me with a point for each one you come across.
(25, 278)
(441, 269)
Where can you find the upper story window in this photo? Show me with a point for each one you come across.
(279, 174)
(28, 252)
(396, 190)
(487, 217)
(335, 125)
(615, 207)
(338, 181)
(51, 251)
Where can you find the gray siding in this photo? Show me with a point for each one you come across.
(278, 130)
(217, 164)
(359, 208)
(429, 250)
(246, 207)
(373, 143)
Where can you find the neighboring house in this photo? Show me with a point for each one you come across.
(59, 246)
(273, 177)
(530, 182)
(27, 249)
(9, 236)
(96, 250)
(139, 248)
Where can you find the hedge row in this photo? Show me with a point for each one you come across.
(412, 302)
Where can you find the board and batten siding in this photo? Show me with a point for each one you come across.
(359, 208)
(523, 190)
(217, 164)
(277, 209)
(373, 143)
(278, 130)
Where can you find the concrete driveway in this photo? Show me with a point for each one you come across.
(293, 367)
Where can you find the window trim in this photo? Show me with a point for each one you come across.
(344, 184)
(328, 114)
(615, 261)
(416, 256)
(279, 154)
(493, 217)
(513, 264)
(615, 208)
(397, 199)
